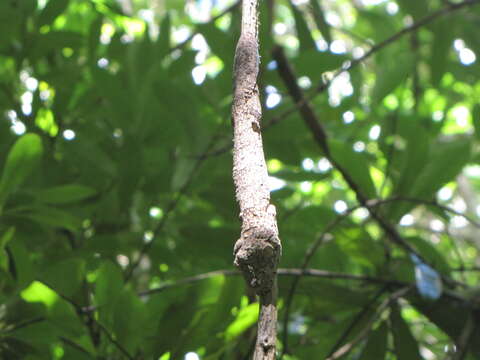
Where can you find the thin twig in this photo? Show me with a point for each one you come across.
(465, 339)
(378, 202)
(322, 237)
(320, 136)
(296, 272)
(363, 333)
(389, 156)
(212, 20)
(75, 346)
(26, 323)
(374, 49)
(358, 317)
(79, 310)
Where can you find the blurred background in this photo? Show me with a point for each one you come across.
(117, 208)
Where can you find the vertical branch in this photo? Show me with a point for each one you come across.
(258, 250)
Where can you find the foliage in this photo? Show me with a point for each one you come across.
(116, 198)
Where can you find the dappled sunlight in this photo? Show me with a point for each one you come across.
(118, 213)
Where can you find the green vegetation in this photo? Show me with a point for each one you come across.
(117, 209)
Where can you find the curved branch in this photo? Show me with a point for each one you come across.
(374, 49)
(364, 332)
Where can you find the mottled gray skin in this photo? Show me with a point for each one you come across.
(258, 249)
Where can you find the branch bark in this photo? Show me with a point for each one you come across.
(258, 249)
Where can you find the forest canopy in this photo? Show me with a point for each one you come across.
(117, 206)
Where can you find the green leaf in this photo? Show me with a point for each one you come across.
(64, 316)
(362, 249)
(54, 41)
(163, 41)
(66, 276)
(355, 164)
(40, 335)
(221, 43)
(430, 252)
(443, 35)
(39, 292)
(446, 161)
(376, 347)
(375, 25)
(319, 17)
(64, 194)
(330, 297)
(50, 12)
(313, 63)
(408, 159)
(23, 265)
(109, 284)
(129, 318)
(476, 120)
(303, 32)
(4, 240)
(22, 160)
(412, 159)
(94, 33)
(183, 171)
(406, 347)
(49, 216)
(449, 316)
(416, 8)
(391, 74)
(246, 318)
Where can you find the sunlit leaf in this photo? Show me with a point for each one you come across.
(406, 346)
(246, 317)
(391, 74)
(22, 160)
(38, 292)
(53, 9)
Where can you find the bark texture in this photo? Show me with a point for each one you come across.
(258, 249)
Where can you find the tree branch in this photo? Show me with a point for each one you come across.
(320, 136)
(295, 272)
(257, 252)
